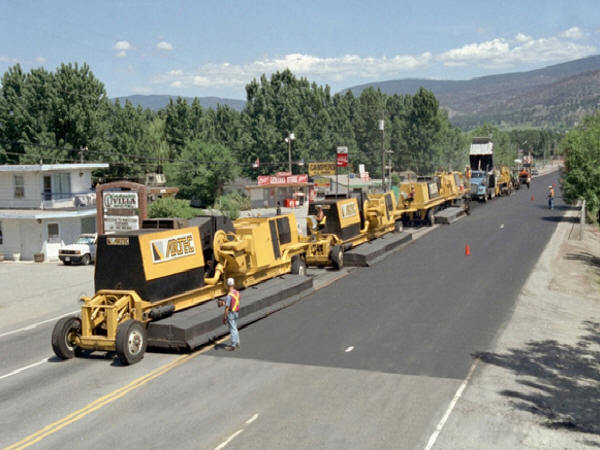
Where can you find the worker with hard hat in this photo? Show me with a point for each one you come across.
(321, 217)
(230, 316)
(550, 197)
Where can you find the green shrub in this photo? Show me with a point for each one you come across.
(172, 207)
(231, 204)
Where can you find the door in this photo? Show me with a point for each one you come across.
(47, 187)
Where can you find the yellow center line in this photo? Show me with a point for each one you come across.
(106, 399)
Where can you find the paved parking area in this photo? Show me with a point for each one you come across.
(33, 292)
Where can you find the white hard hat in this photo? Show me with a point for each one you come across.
(549, 187)
(230, 282)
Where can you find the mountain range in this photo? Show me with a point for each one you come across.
(553, 97)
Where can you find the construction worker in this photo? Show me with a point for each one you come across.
(550, 197)
(321, 219)
(232, 307)
(411, 194)
(468, 172)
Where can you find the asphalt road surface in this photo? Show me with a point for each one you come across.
(370, 361)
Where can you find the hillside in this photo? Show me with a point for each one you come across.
(156, 102)
(553, 97)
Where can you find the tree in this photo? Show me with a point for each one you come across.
(172, 207)
(581, 148)
(202, 170)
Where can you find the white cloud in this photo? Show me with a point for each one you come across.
(338, 68)
(164, 45)
(142, 90)
(121, 54)
(122, 45)
(40, 60)
(523, 49)
(572, 33)
(176, 84)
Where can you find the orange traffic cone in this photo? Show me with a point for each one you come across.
(532, 198)
(467, 250)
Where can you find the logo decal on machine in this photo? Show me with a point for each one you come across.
(173, 247)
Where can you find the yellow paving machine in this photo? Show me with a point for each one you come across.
(149, 274)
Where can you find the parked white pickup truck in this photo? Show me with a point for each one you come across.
(81, 252)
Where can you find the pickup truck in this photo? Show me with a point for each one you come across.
(81, 252)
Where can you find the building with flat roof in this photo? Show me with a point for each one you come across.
(44, 206)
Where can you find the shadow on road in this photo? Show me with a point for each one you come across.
(586, 257)
(561, 219)
(560, 381)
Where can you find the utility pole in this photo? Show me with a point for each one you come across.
(290, 137)
(380, 126)
(81, 150)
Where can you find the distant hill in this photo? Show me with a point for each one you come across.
(553, 97)
(156, 102)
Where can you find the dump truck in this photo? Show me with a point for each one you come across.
(483, 175)
(146, 275)
(347, 223)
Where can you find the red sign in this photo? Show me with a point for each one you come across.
(283, 174)
(342, 159)
(264, 180)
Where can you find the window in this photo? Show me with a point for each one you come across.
(53, 232)
(1, 233)
(61, 185)
(19, 186)
(88, 225)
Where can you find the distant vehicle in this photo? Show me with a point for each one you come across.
(535, 172)
(81, 252)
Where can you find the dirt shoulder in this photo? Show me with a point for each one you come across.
(539, 387)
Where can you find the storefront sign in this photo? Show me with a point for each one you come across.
(342, 156)
(117, 224)
(120, 200)
(265, 180)
(322, 182)
(321, 168)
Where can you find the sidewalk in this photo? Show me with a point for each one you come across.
(539, 387)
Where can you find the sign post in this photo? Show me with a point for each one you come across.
(120, 206)
(341, 161)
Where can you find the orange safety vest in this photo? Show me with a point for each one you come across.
(234, 304)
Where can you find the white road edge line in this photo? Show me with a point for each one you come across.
(451, 406)
(22, 369)
(229, 439)
(35, 325)
(252, 419)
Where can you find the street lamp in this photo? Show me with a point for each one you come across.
(290, 137)
(389, 167)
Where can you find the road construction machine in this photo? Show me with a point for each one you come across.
(149, 274)
(336, 225)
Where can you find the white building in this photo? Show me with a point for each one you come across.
(45, 206)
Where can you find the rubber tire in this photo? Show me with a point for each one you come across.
(485, 198)
(398, 226)
(298, 266)
(86, 259)
(337, 257)
(60, 334)
(124, 332)
(429, 218)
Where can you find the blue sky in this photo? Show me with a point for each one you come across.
(203, 48)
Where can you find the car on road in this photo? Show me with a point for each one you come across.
(535, 172)
(81, 252)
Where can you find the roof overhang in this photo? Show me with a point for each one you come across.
(35, 214)
(51, 167)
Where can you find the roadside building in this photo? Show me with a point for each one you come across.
(342, 184)
(43, 206)
(284, 188)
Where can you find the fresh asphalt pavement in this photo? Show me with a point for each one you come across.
(370, 361)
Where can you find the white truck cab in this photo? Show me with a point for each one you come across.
(81, 252)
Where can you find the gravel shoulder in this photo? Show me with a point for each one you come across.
(538, 386)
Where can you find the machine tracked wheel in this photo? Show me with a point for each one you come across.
(63, 334)
(131, 342)
(298, 266)
(429, 218)
(337, 257)
(399, 226)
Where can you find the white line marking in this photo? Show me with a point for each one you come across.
(252, 419)
(229, 439)
(501, 226)
(458, 394)
(22, 369)
(35, 325)
(349, 349)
